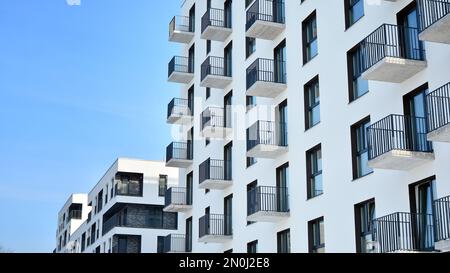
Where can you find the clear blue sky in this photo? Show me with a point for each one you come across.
(79, 87)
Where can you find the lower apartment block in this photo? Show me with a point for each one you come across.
(124, 212)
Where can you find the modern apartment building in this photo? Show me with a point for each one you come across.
(123, 213)
(311, 126)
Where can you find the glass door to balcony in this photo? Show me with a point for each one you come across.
(227, 213)
(411, 46)
(191, 59)
(282, 188)
(282, 123)
(421, 195)
(192, 19)
(228, 60)
(415, 120)
(228, 154)
(278, 10)
(228, 14)
(280, 63)
(189, 188)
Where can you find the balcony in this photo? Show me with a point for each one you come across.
(215, 25)
(434, 20)
(215, 174)
(179, 112)
(399, 143)
(174, 243)
(266, 78)
(215, 73)
(74, 215)
(404, 232)
(438, 115)
(442, 223)
(215, 228)
(392, 54)
(177, 200)
(181, 30)
(265, 19)
(179, 155)
(267, 139)
(216, 123)
(181, 70)
(267, 204)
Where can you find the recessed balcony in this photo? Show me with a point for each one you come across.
(181, 70)
(177, 200)
(181, 30)
(267, 139)
(442, 223)
(179, 154)
(266, 78)
(265, 19)
(215, 228)
(403, 232)
(399, 143)
(215, 174)
(215, 25)
(215, 73)
(179, 112)
(216, 123)
(438, 105)
(392, 53)
(267, 204)
(434, 20)
(174, 243)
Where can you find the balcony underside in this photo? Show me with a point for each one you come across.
(443, 246)
(179, 163)
(440, 135)
(268, 216)
(180, 119)
(265, 30)
(216, 132)
(438, 32)
(177, 208)
(393, 69)
(213, 184)
(266, 89)
(216, 33)
(267, 151)
(401, 160)
(214, 81)
(183, 37)
(181, 77)
(218, 239)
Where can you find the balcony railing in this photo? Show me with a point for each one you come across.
(215, 117)
(403, 231)
(267, 199)
(438, 105)
(390, 41)
(215, 225)
(215, 66)
(397, 132)
(431, 11)
(215, 18)
(266, 70)
(215, 169)
(181, 23)
(174, 243)
(180, 64)
(179, 150)
(442, 218)
(177, 196)
(181, 107)
(267, 11)
(74, 214)
(267, 133)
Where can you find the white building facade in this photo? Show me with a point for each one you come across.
(123, 213)
(312, 126)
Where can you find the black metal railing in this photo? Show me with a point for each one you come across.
(215, 66)
(438, 106)
(180, 64)
(180, 107)
(174, 243)
(215, 224)
(215, 18)
(216, 117)
(74, 214)
(270, 199)
(267, 133)
(181, 23)
(431, 11)
(265, 10)
(266, 70)
(179, 150)
(404, 231)
(215, 169)
(397, 132)
(177, 196)
(442, 218)
(390, 41)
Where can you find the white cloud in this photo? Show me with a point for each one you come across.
(73, 2)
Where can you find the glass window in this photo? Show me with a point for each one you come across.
(354, 11)
(162, 185)
(316, 236)
(310, 47)
(312, 100)
(314, 171)
(360, 149)
(284, 241)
